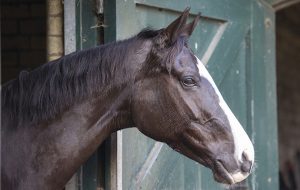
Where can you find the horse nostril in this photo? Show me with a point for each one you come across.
(246, 163)
(246, 166)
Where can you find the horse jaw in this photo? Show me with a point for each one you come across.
(242, 143)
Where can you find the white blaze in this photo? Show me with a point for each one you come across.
(241, 140)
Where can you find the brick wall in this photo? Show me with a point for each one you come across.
(288, 89)
(23, 36)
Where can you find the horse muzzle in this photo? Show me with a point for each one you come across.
(223, 175)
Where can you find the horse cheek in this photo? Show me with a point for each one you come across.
(144, 114)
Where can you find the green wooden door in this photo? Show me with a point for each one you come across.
(235, 39)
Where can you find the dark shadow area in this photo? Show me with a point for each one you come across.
(23, 36)
(288, 91)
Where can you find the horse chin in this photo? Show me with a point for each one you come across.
(221, 175)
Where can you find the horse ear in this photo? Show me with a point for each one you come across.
(188, 29)
(174, 29)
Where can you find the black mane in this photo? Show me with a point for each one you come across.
(49, 90)
(147, 33)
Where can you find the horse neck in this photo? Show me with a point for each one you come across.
(58, 149)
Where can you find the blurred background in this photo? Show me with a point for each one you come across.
(288, 94)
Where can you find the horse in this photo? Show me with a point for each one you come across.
(55, 117)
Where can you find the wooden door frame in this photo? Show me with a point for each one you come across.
(263, 95)
(278, 5)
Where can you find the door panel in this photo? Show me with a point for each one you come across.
(224, 41)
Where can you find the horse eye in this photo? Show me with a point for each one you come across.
(188, 81)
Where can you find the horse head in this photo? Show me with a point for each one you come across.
(177, 102)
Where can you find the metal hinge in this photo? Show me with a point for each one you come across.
(99, 11)
(99, 7)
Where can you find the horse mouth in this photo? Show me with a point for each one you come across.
(221, 175)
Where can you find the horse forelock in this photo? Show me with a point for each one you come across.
(163, 55)
(173, 51)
